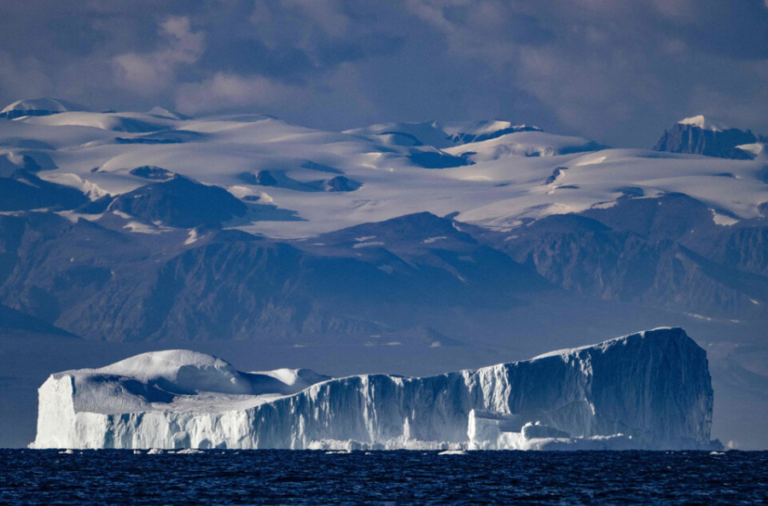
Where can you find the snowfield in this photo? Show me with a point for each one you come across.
(493, 174)
(650, 390)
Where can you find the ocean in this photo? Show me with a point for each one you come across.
(384, 477)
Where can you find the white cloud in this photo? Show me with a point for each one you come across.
(480, 31)
(152, 72)
(605, 89)
(325, 13)
(336, 93)
(590, 66)
(678, 9)
(227, 91)
(24, 78)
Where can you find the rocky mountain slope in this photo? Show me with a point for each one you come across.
(151, 226)
(701, 136)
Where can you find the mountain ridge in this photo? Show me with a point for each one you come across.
(700, 135)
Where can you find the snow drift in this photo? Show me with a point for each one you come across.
(649, 390)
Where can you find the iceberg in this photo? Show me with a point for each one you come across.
(650, 390)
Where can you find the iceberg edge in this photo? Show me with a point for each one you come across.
(650, 390)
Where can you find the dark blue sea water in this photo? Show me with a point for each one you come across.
(315, 477)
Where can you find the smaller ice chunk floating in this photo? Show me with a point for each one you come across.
(650, 390)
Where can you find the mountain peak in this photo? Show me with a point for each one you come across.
(39, 107)
(702, 136)
(704, 123)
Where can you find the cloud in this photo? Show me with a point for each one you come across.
(338, 93)
(230, 91)
(677, 9)
(23, 76)
(617, 71)
(152, 72)
(715, 99)
(326, 15)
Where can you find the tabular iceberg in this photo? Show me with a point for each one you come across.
(649, 390)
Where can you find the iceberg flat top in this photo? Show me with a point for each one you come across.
(605, 344)
(195, 379)
(650, 390)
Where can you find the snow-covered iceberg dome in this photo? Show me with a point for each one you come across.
(649, 390)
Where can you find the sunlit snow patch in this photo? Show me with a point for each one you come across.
(142, 228)
(704, 123)
(722, 219)
(591, 161)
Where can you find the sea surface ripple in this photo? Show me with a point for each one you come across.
(399, 477)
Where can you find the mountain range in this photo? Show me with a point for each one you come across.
(464, 237)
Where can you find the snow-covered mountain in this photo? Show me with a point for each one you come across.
(646, 391)
(39, 107)
(458, 240)
(494, 174)
(703, 136)
(439, 135)
(99, 208)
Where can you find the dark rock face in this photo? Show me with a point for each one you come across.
(341, 184)
(167, 137)
(410, 272)
(30, 161)
(180, 202)
(263, 178)
(438, 160)
(694, 140)
(24, 191)
(555, 175)
(12, 320)
(405, 139)
(465, 138)
(39, 107)
(414, 230)
(280, 179)
(13, 114)
(50, 265)
(664, 252)
(743, 248)
(153, 173)
(103, 284)
(320, 167)
(670, 217)
(97, 206)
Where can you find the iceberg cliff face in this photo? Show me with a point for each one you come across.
(648, 390)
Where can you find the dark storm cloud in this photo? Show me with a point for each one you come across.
(617, 71)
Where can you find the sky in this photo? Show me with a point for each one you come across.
(617, 71)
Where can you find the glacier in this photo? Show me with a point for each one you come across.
(494, 173)
(649, 390)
